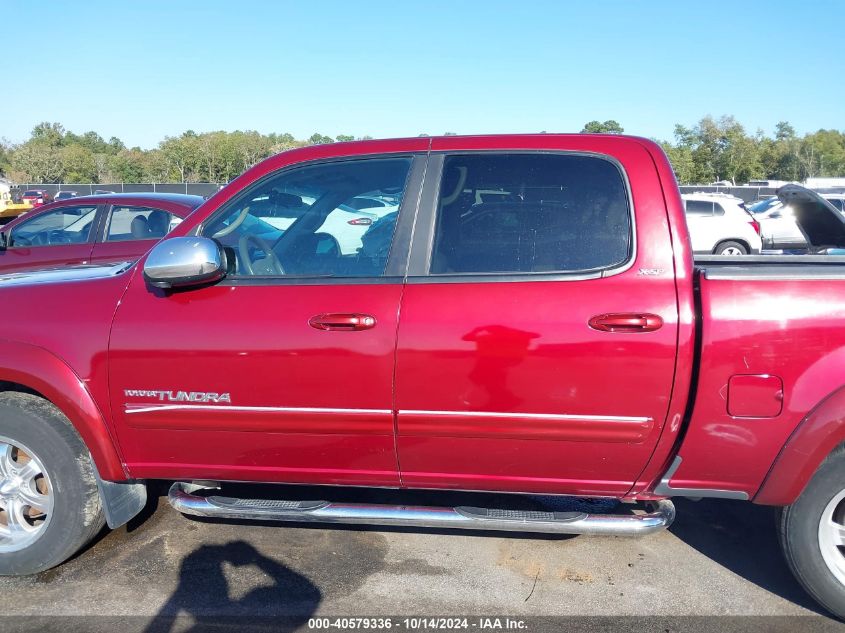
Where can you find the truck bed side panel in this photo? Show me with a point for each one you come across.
(768, 326)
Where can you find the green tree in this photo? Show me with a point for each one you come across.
(78, 164)
(127, 166)
(36, 161)
(822, 154)
(319, 139)
(597, 127)
(4, 157)
(53, 134)
(182, 154)
(682, 162)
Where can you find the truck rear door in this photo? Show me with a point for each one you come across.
(537, 337)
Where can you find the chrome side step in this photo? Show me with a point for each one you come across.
(182, 497)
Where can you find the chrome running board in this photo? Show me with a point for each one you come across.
(183, 497)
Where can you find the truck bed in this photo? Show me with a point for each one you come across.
(771, 345)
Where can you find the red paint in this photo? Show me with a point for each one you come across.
(526, 348)
(255, 343)
(70, 371)
(755, 396)
(96, 249)
(817, 435)
(567, 387)
(781, 328)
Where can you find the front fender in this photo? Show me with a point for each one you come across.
(822, 430)
(39, 370)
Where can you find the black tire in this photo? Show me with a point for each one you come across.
(77, 513)
(798, 527)
(730, 244)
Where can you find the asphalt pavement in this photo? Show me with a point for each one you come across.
(172, 572)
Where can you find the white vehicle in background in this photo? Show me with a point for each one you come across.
(346, 224)
(778, 227)
(719, 225)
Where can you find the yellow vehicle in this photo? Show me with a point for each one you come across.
(9, 209)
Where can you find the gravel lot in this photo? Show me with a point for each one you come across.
(720, 558)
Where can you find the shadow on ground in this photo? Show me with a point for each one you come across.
(741, 537)
(282, 601)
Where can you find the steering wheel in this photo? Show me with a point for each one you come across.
(231, 228)
(59, 237)
(243, 252)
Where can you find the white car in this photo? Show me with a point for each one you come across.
(719, 225)
(347, 223)
(778, 228)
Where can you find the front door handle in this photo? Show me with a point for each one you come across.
(345, 322)
(626, 322)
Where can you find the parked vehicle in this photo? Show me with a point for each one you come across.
(36, 197)
(778, 228)
(9, 207)
(836, 199)
(719, 224)
(86, 229)
(555, 340)
(64, 195)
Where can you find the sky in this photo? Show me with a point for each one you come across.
(145, 70)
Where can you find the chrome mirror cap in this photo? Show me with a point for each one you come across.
(180, 262)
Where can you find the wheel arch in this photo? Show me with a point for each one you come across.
(738, 240)
(32, 369)
(820, 433)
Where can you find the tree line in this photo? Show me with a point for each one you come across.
(713, 149)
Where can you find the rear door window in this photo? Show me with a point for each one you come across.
(699, 208)
(137, 223)
(531, 213)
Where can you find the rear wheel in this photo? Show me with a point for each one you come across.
(731, 248)
(812, 534)
(49, 503)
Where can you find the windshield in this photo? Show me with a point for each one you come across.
(762, 206)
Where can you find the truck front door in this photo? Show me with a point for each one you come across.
(284, 370)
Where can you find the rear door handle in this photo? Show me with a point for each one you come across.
(345, 322)
(626, 322)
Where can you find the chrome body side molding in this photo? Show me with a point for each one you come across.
(664, 488)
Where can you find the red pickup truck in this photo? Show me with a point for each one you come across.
(523, 314)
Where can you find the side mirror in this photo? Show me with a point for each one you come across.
(4, 240)
(176, 221)
(181, 262)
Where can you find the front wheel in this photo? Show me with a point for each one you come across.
(49, 503)
(812, 534)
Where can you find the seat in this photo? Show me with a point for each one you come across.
(140, 228)
(158, 222)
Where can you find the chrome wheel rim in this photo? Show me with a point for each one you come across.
(832, 536)
(732, 250)
(26, 496)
